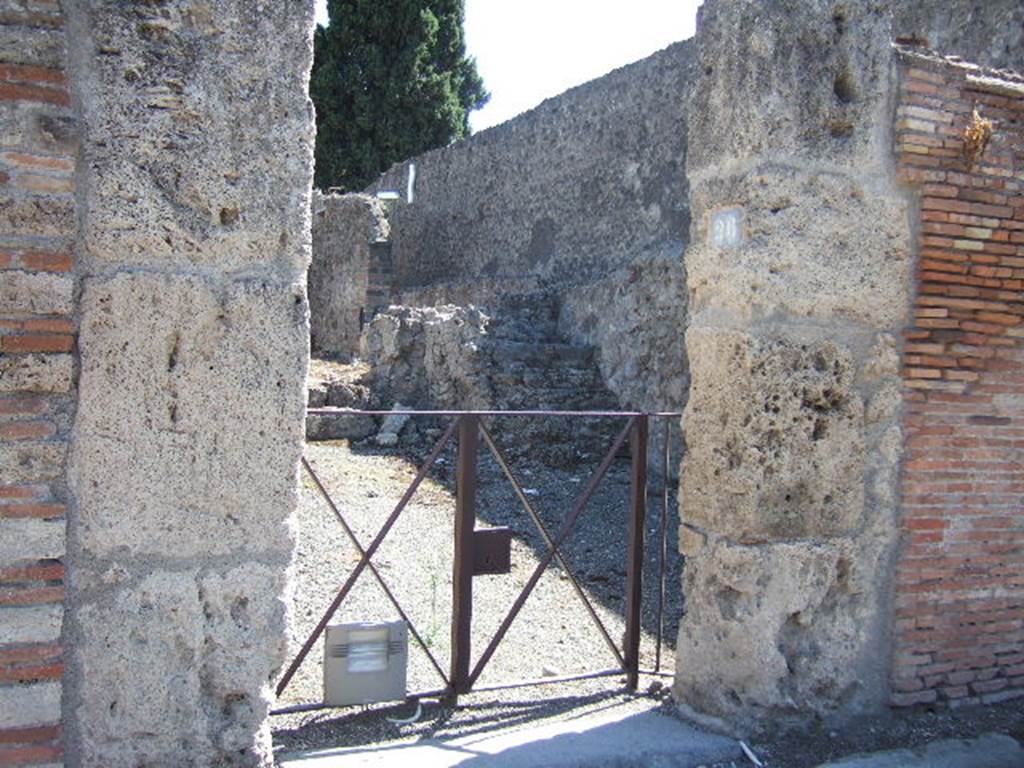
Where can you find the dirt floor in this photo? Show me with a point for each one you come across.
(891, 730)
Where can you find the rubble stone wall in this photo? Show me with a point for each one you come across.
(38, 142)
(634, 316)
(959, 623)
(799, 280)
(346, 271)
(566, 192)
(194, 236)
(584, 196)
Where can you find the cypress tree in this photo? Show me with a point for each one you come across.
(390, 80)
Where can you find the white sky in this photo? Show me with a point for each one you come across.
(529, 50)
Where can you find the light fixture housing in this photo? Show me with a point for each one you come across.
(365, 662)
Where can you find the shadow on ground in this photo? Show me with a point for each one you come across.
(575, 731)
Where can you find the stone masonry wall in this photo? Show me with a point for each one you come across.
(634, 316)
(799, 281)
(987, 32)
(959, 614)
(567, 192)
(194, 213)
(349, 272)
(37, 336)
(584, 197)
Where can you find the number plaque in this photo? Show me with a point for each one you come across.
(727, 228)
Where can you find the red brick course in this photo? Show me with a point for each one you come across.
(959, 596)
(33, 166)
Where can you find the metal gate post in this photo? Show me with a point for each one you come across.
(634, 585)
(462, 562)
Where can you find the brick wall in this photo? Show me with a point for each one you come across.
(37, 338)
(959, 624)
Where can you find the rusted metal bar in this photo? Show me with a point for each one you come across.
(329, 411)
(462, 562)
(373, 569)
(548, 681)
(546, 561)
(346, 588)
(315, 707)
(663, 542)
(443, 692)
(499, 456)
(634, 585)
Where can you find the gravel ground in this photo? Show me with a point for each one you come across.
(553, 634)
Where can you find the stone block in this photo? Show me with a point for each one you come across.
(37, 127)
(193, 160)
(31, 462)
(775, 433)
(430, 354)
(190, 416)
(989, 33)
(52, 132)
(192, 651)
(816, 245)
(140, 652)
(339, 427)
(30, 623)
(49, 215)
(797, 78)
(244, 647)
(30, 539)
(34, 46)
(23, 706)
(35, 373)
(772, 631)
(35, 293)
(196, 163)
(884, 405)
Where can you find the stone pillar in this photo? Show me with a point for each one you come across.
(348, 276)
(799, 280)
(194, 199)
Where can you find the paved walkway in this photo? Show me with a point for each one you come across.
(630, 735)
(619, 737)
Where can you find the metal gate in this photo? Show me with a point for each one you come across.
(479, 551)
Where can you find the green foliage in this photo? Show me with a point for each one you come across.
(390, 80)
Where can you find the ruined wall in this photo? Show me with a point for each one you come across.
(194, 205)
(566, 192)
(788, 497)
(959, 635)
(634, 316)
(584, 197)
(987, 32)
(349, 271)
(37, 225)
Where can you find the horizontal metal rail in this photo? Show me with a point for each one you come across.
(443, 693)
(549, 680)
(328, 411)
